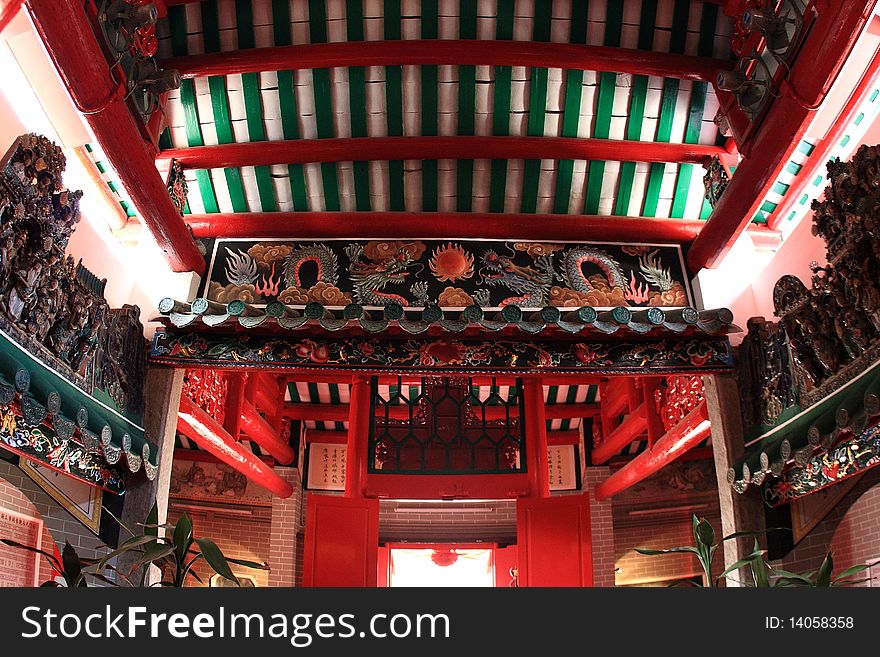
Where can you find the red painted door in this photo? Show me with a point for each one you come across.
(384, 570)
(554, 541)
(505, 567)
(341, 542)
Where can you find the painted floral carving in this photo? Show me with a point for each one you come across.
(685, 355)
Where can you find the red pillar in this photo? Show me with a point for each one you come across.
(234, 401)
(356, 457)
(536, 438)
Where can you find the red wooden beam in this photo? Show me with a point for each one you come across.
(627, 431)
(817, 160)
(688, 433)
(340, 412)
(570, 437)
(234, 402)
(339, 378)
(451, 52)
(263, 392)
(196, 424)
(74, 49)
(440, 225)
(826, 49)
(302, 151)
(8, 11)
(261, 432)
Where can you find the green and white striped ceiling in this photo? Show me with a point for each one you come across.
(333, 394)
(446, 100)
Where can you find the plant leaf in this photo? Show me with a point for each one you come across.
(127, 546)
(249, 564)
(119, 574)
(72, 566)
(152, 554)
(121, 522)
(675, 550)
(215, 558)
(849, 572)
(753, 533)
(704, 533)
(106, 580)
(183, 536)
(51, 584)
(803, 578)
(823, 578)
(850, 582)
(56, 565)
(742, 563)
(151, 524)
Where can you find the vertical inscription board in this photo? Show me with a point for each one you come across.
(562, 460)
(326, 467)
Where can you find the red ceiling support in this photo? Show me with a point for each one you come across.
(688, 433)
(357, 448)
(537, 465)
(340, 412)
(569, 437)
(261, 432)
(8, 12)
(234, 402)
(827, 47)
(262, 391)
(337, 149)
(451, 52)
(822, 152)
(74, 49)
(339, 378)
(633, 426)
(196, 424)
(440, 225)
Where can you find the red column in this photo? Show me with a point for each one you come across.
(234, 401)
(536, 438)
(356, 456)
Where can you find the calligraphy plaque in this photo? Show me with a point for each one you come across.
(326, 467)
(19, 567)
(562, 460)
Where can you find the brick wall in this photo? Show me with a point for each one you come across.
(634, 568)
(857, 539)
(237, 536)
(851, 530)
(285, 554)
(602, 525)
(62, 525)
(12, 499)
(441, 522)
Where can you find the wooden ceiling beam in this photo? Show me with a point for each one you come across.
(442, 225)
(73, 47)
(450, 52)
(362, 149)
(828, 45)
